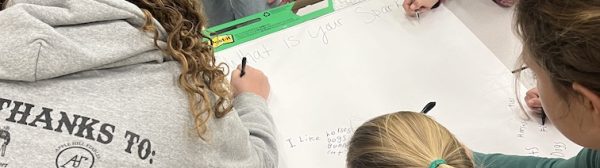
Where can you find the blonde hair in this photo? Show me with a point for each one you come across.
(201, 77)
(405, 139)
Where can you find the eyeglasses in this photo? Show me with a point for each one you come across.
(519, 70)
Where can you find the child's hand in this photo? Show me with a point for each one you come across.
(533, 101)
(412, 6)
(253, 81)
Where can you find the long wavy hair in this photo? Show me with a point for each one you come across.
(204, 81)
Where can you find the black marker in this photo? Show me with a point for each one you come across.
(243, 67)
(543, 117)
(428, 107)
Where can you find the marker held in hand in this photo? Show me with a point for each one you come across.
(243, 72)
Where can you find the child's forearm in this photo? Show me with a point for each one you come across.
(253, 111)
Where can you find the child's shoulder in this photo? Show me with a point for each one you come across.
(589, 158)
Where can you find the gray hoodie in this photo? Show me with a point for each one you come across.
(82, 86)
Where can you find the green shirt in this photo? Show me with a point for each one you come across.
(587, 158)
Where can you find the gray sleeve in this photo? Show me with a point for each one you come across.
(254, 113)
(218, 11)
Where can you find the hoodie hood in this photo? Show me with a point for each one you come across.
(44, 39)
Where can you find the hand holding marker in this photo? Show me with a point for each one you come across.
(532, 98)
(246, 79)
(417, 7)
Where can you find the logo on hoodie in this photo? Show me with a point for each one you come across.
(76, 155)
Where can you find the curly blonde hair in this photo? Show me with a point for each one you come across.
(201, 77)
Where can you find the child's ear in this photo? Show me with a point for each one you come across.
(591, 100)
